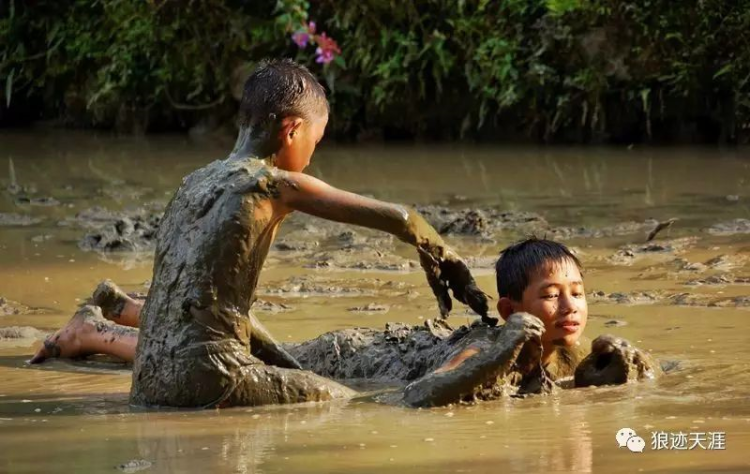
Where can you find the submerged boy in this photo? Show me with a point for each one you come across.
(198, 341)
(538, 277)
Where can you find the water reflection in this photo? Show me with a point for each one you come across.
(84, 423)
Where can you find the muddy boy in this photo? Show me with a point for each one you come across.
(199, 345)
(538, 278)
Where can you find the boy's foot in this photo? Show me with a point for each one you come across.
(110, 298)
(66, 342)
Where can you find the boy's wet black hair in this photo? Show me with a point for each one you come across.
(281, 88)
(519, 262)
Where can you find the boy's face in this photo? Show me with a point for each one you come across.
(555, 295)
(298, 140)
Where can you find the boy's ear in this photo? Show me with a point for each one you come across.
(290, 127)
(505, 307)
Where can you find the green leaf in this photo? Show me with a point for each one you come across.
(560, 7)
(727, 68)
(645, 93)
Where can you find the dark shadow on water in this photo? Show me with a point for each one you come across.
(90, 365)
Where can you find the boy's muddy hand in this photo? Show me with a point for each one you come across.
(613, 361)
(451, 272)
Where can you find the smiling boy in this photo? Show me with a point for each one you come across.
(544, 278)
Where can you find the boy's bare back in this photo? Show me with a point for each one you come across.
(211, 245)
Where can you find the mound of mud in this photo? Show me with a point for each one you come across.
(18, 220)
(111, 231)
(736, 226)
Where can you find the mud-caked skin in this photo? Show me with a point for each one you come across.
(430, 360)
(614, 361)
(196, 326)
(199, 344)
(494, 356)
(110, 298)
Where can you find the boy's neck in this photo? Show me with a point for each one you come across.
(549, 354)
(248, 146)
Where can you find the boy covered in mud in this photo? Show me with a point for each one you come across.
(199, 344)
(541, 294)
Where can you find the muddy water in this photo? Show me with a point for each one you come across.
(73, 415)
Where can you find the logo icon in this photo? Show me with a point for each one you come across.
(636, 444)
(627, 438)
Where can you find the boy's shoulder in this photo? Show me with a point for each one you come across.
(246, 174)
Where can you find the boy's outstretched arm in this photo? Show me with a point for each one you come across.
(482, 362)
(443, 266)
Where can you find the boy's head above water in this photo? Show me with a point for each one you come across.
(283, 114)
(543, 278)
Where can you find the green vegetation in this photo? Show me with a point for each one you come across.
(545, 70)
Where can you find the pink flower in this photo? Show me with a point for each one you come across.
(327, 49)
(325, 56)
(302, 36)
(301, 39)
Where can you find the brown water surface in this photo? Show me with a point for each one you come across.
(73, 415)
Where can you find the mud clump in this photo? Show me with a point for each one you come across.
(615, 323)
(20, 332)
(720, 280)
(351, 258)
(620, 229)
(481, 222)
(43, 201)
(471, 223)
(134, 465)
(708, 301)
(736, 226)
(628, 254)
(12, 308)
(117, 231)
(296, 246)
(726, 262)
(264, 306)
(736, 302)
(370, 308)
(484, 262)
(306, 286)
(634, 298)
(18, 220)
(690, 299)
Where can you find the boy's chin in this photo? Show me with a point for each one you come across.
(566, 340)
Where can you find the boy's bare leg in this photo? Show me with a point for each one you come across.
(88, 333)
(265, 347)
(116, 305)
(262, 384)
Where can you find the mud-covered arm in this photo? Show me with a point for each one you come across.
(482, 362)
(443, 266)
(310, 195)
